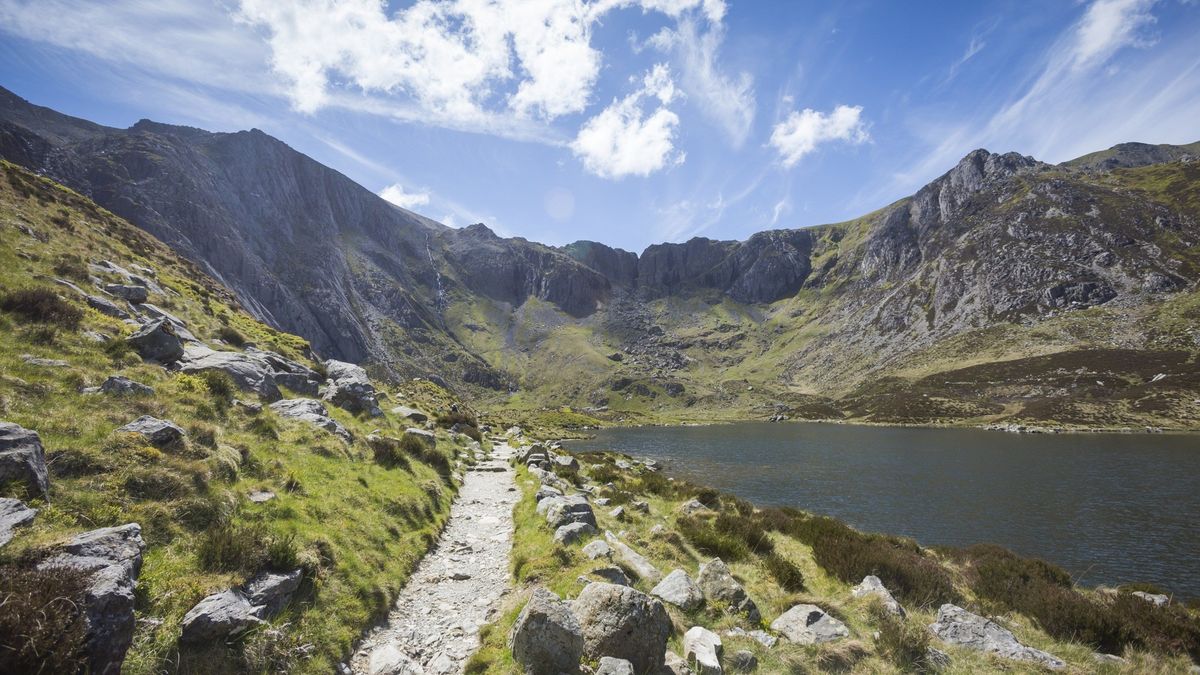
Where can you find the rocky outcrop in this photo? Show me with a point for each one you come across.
(248, 373)
(957, 626)
(22, 459)
(547, 638)
(572, 532)
(350, 388)
(722, 591)
(809, 625)
(236, 610)
(112, 558)
(624, 623)
(13, 514)
(308, 410)
(157, 341)
(678, 589)
(569, 509)
(159, 433)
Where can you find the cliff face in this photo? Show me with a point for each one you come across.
(999, 242)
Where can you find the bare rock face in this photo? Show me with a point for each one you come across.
(113, 557)
(624, 623)
(957, 626)
(547, 638)
(721, 590)
(22, 459)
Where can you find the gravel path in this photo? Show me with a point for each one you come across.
(434, 627)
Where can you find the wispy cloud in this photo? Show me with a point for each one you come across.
(975, 45)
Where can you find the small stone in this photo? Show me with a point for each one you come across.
(159, 433)
(597, 548)
(22, 459)
(762, 637)
(702, 648)
(44, 363)
(1156, 599)
(871, 585)
(610, 666)
(261, 496)
(119, 385)
(722, 591)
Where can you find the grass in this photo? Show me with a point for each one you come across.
(356, 527)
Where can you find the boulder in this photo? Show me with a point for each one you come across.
(311, 411)
(349, 387)
(692, 506)
(218, 616)
(871, 585)
(428, 438)
(390, 659)
(722, 591)
(119, 385)
(743, 661)
(112, 557)
(159, 433)
(411, 414)
(153, 313)
(105, 306)
(546, 491)
(957, 626)
(622, 622)
(288, 373)
(13, 514)
(22, 459)
(272, 591)
(678, 589)
(809, 625)
(157, 341)
(547, 638)
(633, 560)
(134, 294)
(569, 509)
(610, 666)
(597, 548)
(248, 373)
(1156, 599)
(618, 513)
(566, 462)
(675, 665)
(702, 648)
(573, 532)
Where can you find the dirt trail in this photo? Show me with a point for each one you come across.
(434, 626)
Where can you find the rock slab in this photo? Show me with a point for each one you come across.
(957, 626)
(809, 625)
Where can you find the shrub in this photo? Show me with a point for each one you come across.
(71, 266)
(41, 305)
(230, 335)
(784, 572)
(449, 419)
(605, 473)
(219, 385)
(230, 547)
(42, 625)
(118, 350)
(391, 451)
(709, 541)
(264, 427)
(708, 497)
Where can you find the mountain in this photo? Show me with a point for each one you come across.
(1005, 290)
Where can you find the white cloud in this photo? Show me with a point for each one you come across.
(623, 141)
(728, 100)
(1109, 25)
(803, 131)
(396, 194)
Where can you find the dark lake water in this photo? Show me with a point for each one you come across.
(1109, 508)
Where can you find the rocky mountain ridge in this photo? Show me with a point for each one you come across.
(1000, 243)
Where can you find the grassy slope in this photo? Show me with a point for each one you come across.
(538, 560)
(356, 527)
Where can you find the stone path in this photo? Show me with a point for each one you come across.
(434, 627)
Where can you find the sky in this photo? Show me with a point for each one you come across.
(629, 122)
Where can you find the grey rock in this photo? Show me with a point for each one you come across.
(641, 506)
(610, 666)
(308, 410)
(1109, 659)
(634, 561)
(153, 313)
(703, 649)
(301, 384)
(105, 306)
(546, 491)
(613, 575)
(566, 462)
(675, 665)
(547, 638)
(272, 591)
(871, 585)
(743, 661)
(428, 438)
(350, 388)
(13, 514)
(624, 623)
(809, 625)
(597, 548)
(602, 501)
(692, 506)
(218, 616)
(248, 373)
(112, 557)
(390, 659)
(260, 496)
(44, 363)
(157, 341)
(618, 513)
(159, 433)
(134, 294)
(119, 385)
(937, 658)
(723, 592)
(22, 459)
(762, 637)
(568, 509)
(411, 414)
(957, 626)
(678, 589)
(1156, 599)
(573, 532)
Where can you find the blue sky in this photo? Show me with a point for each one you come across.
(626, 121)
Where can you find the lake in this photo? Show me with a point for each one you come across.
(1109, 508)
